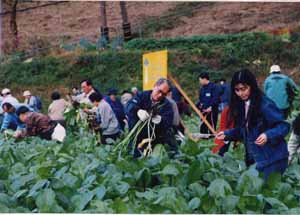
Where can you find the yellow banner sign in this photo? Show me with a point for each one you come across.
(155, 66)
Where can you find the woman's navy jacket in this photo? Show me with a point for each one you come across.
(271, 122)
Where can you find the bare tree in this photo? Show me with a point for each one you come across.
(13, 21)
(103, 20)
(125, 23)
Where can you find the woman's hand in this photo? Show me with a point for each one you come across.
(220, 136)
(261, 140)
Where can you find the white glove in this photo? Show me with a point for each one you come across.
(143, 115)
(156, 119)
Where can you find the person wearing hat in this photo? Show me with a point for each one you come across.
(277, 86)
(31, 101)
(134, 91)
(38, 124)
(8, 98)
(116, 106)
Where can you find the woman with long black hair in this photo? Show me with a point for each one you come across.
(259, 123)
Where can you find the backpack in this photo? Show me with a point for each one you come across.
(39, 104)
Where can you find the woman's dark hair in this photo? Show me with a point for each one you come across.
(95, 97)
(236, 105)
(55, 96)
(7, 105)
(21, 110)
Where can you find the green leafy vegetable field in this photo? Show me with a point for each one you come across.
(83, 177)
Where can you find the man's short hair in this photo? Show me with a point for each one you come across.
(164, 81)
(204, 75)
(95, 97)
(88, 82)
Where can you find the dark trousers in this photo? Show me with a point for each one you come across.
(276, 167)
(212, 118)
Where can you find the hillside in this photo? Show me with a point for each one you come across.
(70, 21)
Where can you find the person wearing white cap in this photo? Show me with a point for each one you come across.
(276, 87)
(8, 98)
(134, 91)
(32, 101)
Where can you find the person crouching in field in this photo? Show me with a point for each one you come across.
(152, 105)
(38, 124)
(106, 118)
(259, 123)
(10, 119)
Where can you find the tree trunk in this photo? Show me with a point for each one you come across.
(103, 20)
(123, 12)
(125, 22)
(13, 21)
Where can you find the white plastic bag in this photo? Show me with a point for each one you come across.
(59, 133)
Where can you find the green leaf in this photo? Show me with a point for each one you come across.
(39, 185)
(61, 172)
(88, 181)
(143, 177)
(274, 180)
(249, 183)
(21, 181)
(159, 152)
(252, 203)
(195, 172)
(197, 190)
(194, 203)
(149, 195)
(170, 169)
(219, 188)
(80, 201)
(46, 202)
(230, 203)
(71, 180)
(294, 211)
(122, 188)
(276, 206)
(101, 207)
(100, 192)
(4, 173)
(20, 193)
(119, 206)
(4, 209)
(5, 199)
